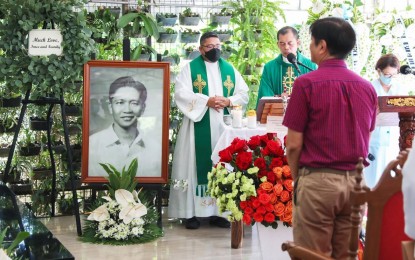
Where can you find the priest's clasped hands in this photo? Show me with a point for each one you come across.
(218, 103)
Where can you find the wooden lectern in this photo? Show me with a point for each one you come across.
(398, 110)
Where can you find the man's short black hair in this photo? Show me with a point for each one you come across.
(284, 30)
(207, 35)
(338, 34)
(129, 82)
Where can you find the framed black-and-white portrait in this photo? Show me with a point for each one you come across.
(126, 116)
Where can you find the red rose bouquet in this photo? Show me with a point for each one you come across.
(260, 186)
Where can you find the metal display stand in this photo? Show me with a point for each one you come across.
(51, 102)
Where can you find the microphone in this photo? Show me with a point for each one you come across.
(293, 60)
(405, 69)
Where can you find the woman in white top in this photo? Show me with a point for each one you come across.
(384, 141)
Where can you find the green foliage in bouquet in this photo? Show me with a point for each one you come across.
(124, 217)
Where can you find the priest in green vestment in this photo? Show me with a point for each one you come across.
(279, 74)
(205, 89)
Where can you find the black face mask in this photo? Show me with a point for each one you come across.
(213, 55)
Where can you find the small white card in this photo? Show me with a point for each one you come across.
(273, 123)
(45, 42)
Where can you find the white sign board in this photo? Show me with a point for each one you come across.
(45, 42)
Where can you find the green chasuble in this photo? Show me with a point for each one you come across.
(203, 145)
(278, 76)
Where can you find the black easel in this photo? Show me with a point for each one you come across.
(51, 102)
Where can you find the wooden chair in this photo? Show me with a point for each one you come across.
(385, 221)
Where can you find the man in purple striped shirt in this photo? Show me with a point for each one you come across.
(329, 117)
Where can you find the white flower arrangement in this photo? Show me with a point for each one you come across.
(121, 218)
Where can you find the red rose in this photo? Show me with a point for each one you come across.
(260, 163)
(269, 217)
(240, 146)
(262, 173)
(269, 207)
(261, 210)
(271, 177)
(274, 147)
(234, 141)
(244, 160)
(271, 136)
(288, 185)
(265, 151)
(225, 155)
(285, 196)
(276, 162)
(256, 203)
(248, 210)
(264, 198)
(285, 141)
(247, 219)
(243, 204)
(284, 159)
(279, 209)
(254, 142)
(258, 217)
(260, 191)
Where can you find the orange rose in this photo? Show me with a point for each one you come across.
(285, 196)
(287, 217)
(278, 188)
(278, 172)
(267, 186)
(288, 185)
(273, 198)
(286, 171)
(279, 209)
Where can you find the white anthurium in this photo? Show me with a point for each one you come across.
(100, 214)
(337, 12)
(384, 18)
(124, 197)
(318, 7)
(386, 39)
(398, 30)
(132, 211)
(3, 255)
(107, 198)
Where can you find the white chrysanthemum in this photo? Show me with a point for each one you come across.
(384, 18)
(386, 39)
(410, 31)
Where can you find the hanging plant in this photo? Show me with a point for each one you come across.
(45, 74)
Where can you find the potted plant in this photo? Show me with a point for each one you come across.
(65, 204)
(169, 35)
(142, 52)
(187, 17)
(28, 146)
(9, 98)
(166, 19)
(189, 36)
(224, 35)
(191, 52)
(221, 18)
(138, 23)
(172, 58)
(103, 25)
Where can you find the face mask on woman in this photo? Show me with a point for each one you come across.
(385, 80)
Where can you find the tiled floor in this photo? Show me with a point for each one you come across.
(178, 243)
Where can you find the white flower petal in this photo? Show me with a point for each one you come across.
(107, 198)
(124, 197)
(398, 30)
(410, 31)
(99, 214)
(384, 18)
(386, 40)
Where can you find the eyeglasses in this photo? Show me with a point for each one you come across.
(389, 75)
(211, 46)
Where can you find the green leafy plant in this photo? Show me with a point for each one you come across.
(121, 180)
(189, 13)
(22, 235)
(139, 22)
(44, 74)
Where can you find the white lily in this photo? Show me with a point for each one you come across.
(100, 214)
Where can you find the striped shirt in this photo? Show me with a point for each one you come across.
(335, 109)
